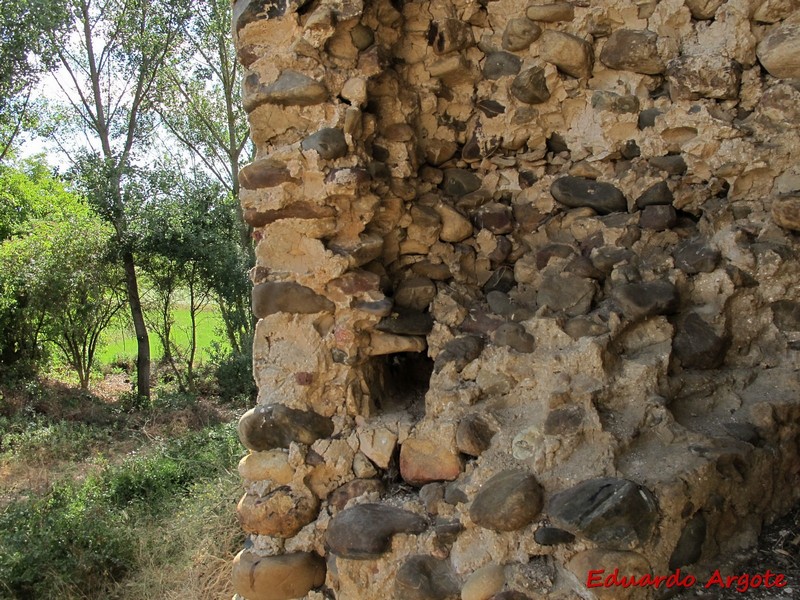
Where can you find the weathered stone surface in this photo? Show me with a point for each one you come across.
(508, 501)
(658, 217)
(514, 336)
(362, 36)
(551, 13)
(272, 465)
(673, 164)
(378, 445)
(576, 192)
(565, 293)
(519, 34)
(281, 513)
(786, 212)
(633, 50)
(290, 89)
(569, 53)
(365, 531)
(695, 256)
(455, 226)
(461, 351)
(495, 217)
(563, 421)
(425, 578)
(657, 194)
(339, 497)
(642, 300)
(703, 9)
(423, 461)
(606, 511)
(786, 315)
(501, 64)
(552, 536)
(328, 142)
(296, 210)
(406, 322)
(277, 577)
(631, 564)
(483, 583)
(474, 435)
(695, 77)
(510, 595)
(501, 280)
(530, 86)
(697, 345)
(287, 296)
(647, 118)
(450, 35)
(603, 100)
(276, 426)
(690, 544)
(582, 326)
(263, 174)
(460, 182)
(415, 293)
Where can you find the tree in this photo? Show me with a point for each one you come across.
(29, 193)
(200, 103)
(112, 65)
(56, 282)
(25, 52)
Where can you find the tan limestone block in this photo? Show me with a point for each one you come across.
(272, 465)
(277, 577)
(423, 461)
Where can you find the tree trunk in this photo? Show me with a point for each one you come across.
(142, 339)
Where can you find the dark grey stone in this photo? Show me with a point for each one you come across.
(786, 315)
(508, 501)
(633, 50)
(642, 300)
(546, 253)
(656, 195)
(697, 345)
(647, 118)
(690, 545)
(406, 322)
(567, 420)
(578, 192)
(290, 89)
(673, 164)
(695, 256)
(490, 108)
(606, 511)
(339, 497)
(460, 182)
(630, 150)
(473, 435)
(501, 64)
(530, 86)
(519, 34)
(287, 296)
(562, 292)
(329, 142)
(277, 426)
(426, 578)
(607, 257)
(514, 336)
(461, 351)
(450, 35)
(552, 536)
(502, 280)
(583, 326)
(365, 531)
(250, 11)
(658, 217)
(495, 217)
(609, 101)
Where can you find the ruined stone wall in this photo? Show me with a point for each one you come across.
(527, 292)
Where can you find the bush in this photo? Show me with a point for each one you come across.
(80, 539)
(234, 375)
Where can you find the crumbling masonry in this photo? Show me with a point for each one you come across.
(527, 290)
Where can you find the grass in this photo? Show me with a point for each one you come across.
(120, 340)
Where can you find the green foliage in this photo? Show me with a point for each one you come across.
(234, 375)
(40, 439)
(25, 51)
(80, 539)
(58, 285)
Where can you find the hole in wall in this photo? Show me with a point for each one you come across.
(402, 380)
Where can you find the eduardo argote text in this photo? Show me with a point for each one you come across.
(743, 582)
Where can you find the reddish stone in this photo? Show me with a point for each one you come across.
(423, 461)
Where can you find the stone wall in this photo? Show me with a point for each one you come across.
(527, 292)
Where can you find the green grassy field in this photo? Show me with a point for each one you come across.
(120, 340)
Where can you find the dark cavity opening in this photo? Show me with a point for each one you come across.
(401, 382)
